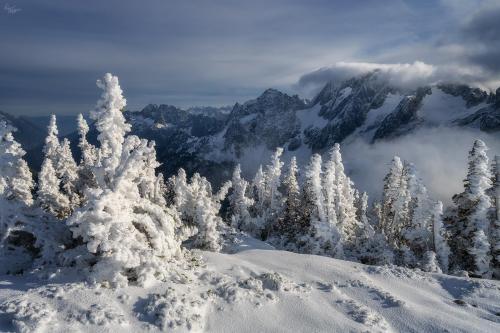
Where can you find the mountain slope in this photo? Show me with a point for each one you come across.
(257, 288)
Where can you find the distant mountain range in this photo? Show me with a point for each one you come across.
(211, 140)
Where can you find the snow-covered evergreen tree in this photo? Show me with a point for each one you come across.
(240, 203)
(199, 210)
(86, 178)
(439, 237)
(291, 224)
(273, 197)
(49, 196)
(325, 237)
(344, 202)
(51, 147)
(16, 181)
(68, 173)
(268, 200)
(471, 227)
(417, 228)
(130, 237)
(29, 238)
(495, 225)
(391, 193)
(205, 215)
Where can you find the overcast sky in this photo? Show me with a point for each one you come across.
(220, 52)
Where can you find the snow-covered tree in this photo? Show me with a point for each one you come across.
(417, 229)
(495, 225)
(268, 200)
(325, 237)
(344, 198)
(206, 218)
(16, 181)
(439, 237)
(239, 202)
(291, 224)
(51, 147)
(130, 236)
(273, 197)
(392, 188)
(86, 178)
(68, 173)
(199, 210)
(471, 227)
(112, 128)
(49, 196)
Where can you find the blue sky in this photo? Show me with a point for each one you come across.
(221, 52)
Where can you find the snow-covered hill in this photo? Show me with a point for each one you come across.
(256, 289)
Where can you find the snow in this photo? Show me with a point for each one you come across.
(440, 108)
(310, 117)
(255, 288)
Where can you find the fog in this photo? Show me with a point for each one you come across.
(439, 154)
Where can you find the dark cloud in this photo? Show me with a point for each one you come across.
(199, 52)
(482, 34)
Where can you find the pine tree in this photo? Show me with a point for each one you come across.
(16, 181)
(86, 178)
(88, 150)
(206, 217)
(291, 225)
(239, 203)
(49, 196)
(392, 188)
(112, 128)
(273, 197)
(326, 238)
(441, 247)
(417, 227)
(345, 199)
(471, 226)
(51, 147)
(495, 226)
(68, 173)
(129, 235)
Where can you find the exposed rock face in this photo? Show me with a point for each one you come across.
(270, 120)
(404, 118)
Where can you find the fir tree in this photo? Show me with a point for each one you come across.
(68, 173)
(471, 226)
(439, 237)
(291, 224)
(16, 181)
(129, 235)
(239, 202)
(392, 188)
(495, 226)
(51, 147)
(86, 178)
(49, 196)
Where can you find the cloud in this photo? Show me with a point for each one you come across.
(11, 9)
(439, 154)
(482, 37)
(401, 75)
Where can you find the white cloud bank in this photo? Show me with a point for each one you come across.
(403, 75)
(440, 155)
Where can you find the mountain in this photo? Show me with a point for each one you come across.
(367, 107)
(211, 140)
(28, 133)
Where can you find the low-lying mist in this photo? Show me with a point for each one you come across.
(440, 155)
